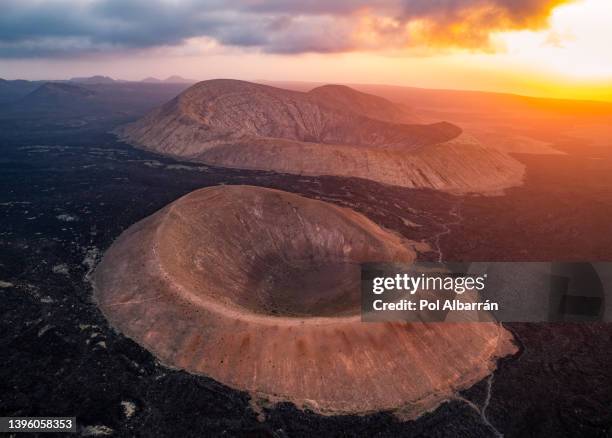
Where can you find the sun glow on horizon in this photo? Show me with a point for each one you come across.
(570, 58)
(576, 43)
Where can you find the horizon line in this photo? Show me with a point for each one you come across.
(319, 83)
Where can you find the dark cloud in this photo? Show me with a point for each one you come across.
(468, 23)
(39, 28)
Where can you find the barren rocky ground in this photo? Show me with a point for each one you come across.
(68, 193)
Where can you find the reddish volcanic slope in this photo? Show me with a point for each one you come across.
(331, 130)
(259, 289)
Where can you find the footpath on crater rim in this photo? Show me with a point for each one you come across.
(260, 290)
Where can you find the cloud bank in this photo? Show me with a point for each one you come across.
(51, 28)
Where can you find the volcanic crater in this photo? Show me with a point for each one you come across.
(259, 289)
(330, 130)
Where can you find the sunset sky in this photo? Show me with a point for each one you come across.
(555, 48)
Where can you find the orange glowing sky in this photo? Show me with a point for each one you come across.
(565, 53)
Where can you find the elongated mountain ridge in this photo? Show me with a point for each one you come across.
(330, 130)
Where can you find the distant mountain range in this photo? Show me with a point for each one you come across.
(169, 80)
(59, 99)
(11, 91)
(54, 93)
(96, 98)
(98, 79)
